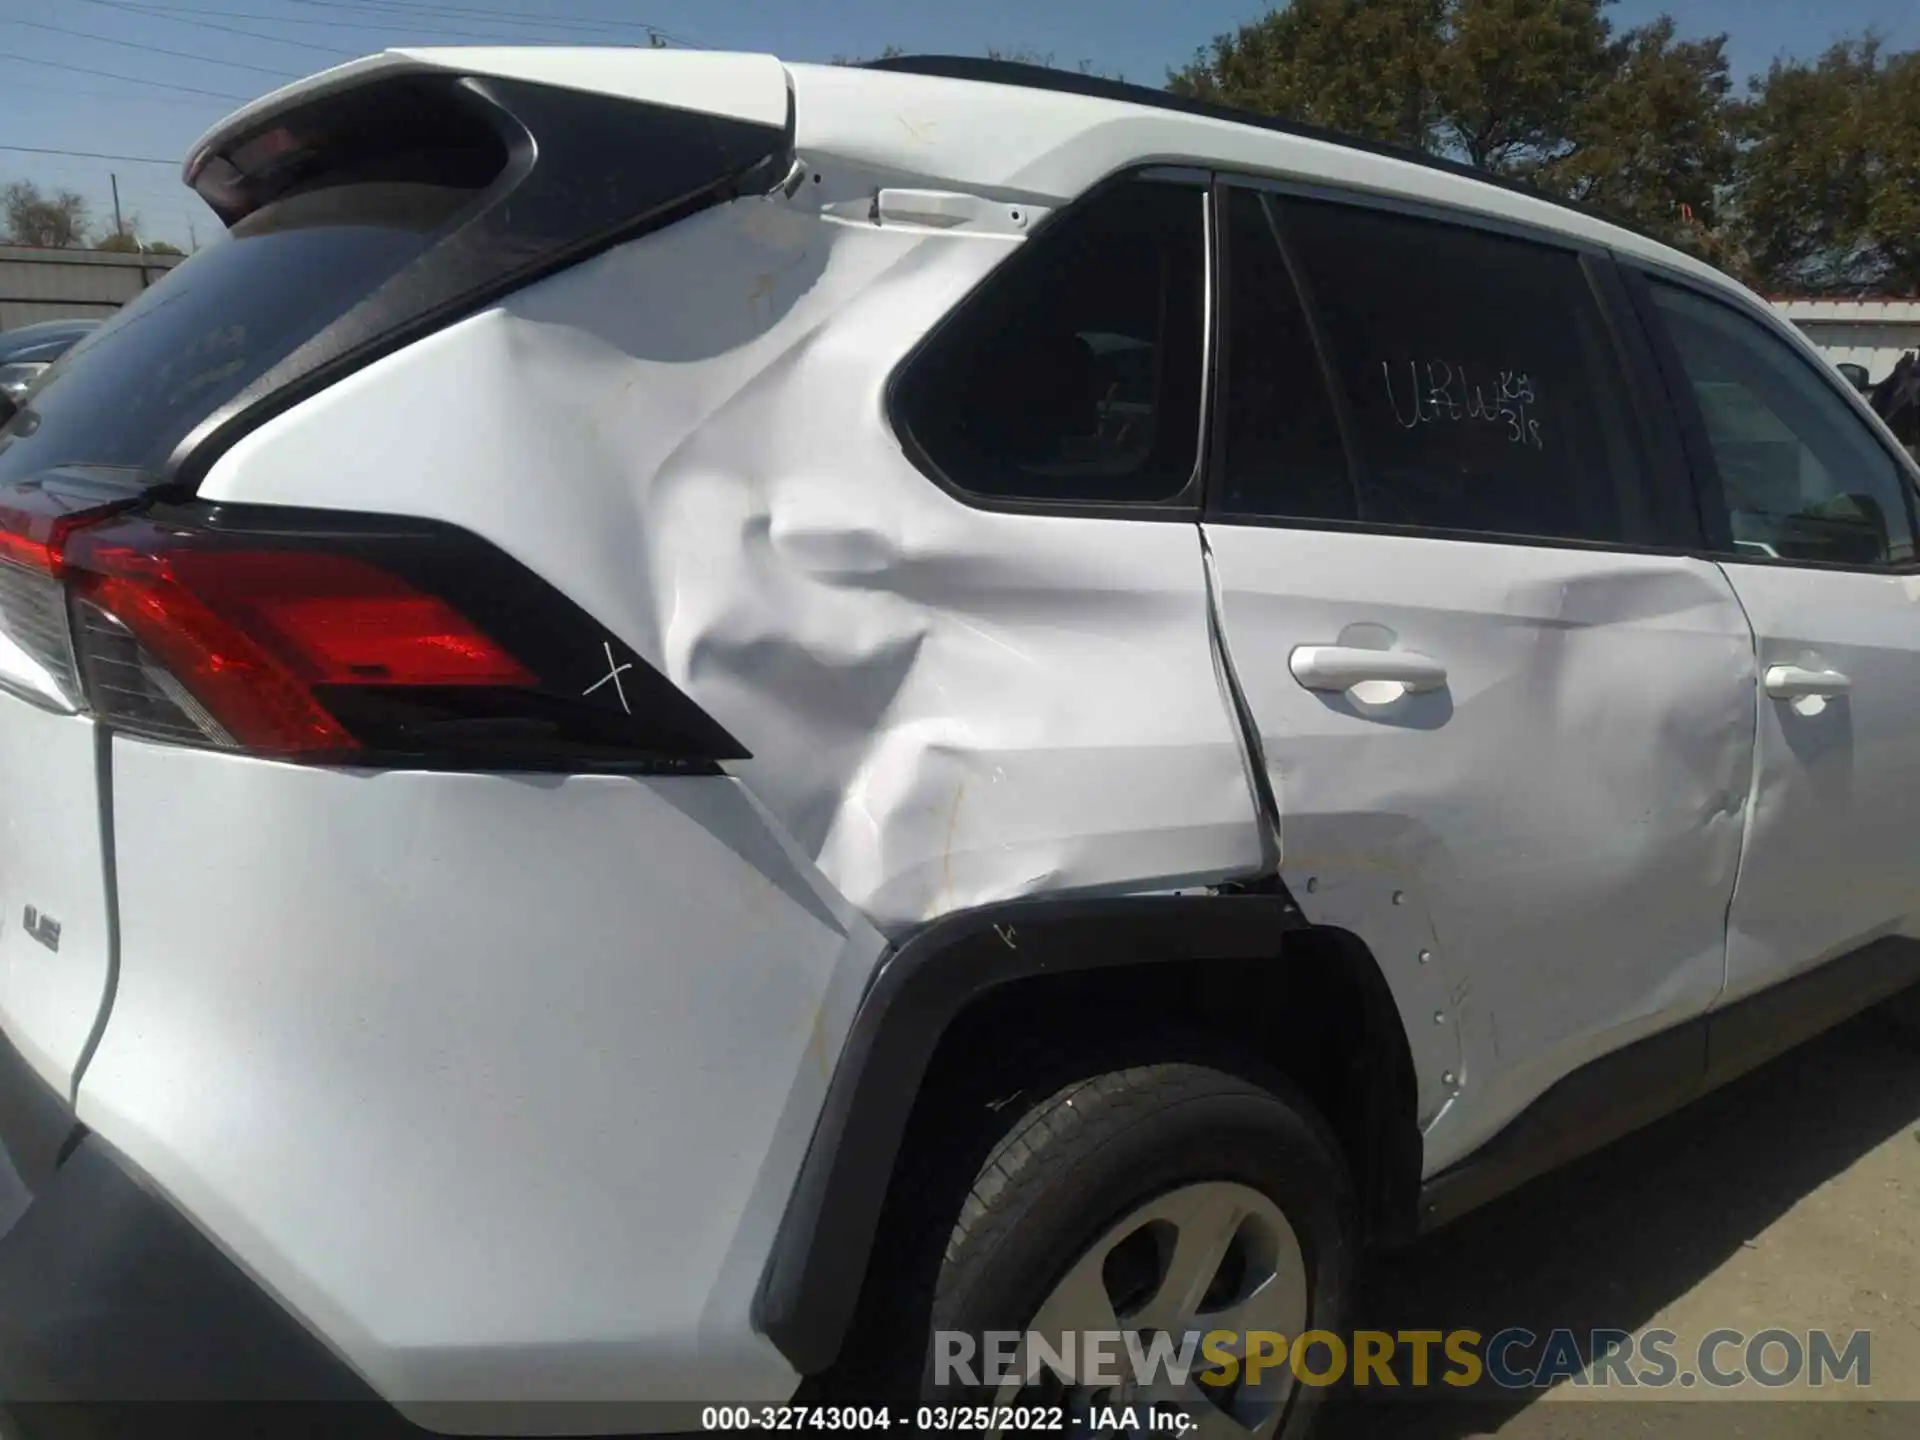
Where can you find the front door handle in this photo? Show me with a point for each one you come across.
(1790, 682)
(1341, 667)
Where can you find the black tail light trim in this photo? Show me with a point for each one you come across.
(340, 638)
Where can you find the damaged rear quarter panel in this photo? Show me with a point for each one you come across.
(945, 706)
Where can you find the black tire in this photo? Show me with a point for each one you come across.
(1062, 1171)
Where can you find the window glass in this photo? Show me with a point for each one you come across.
(1481, 387)
(1281, 453)
(1804, 477)
(1074, 373)
(214, 324)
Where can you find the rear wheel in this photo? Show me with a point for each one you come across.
(1165, 1202)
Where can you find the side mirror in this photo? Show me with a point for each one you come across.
(1856, 376)
(9, 407)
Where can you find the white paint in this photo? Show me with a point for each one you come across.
(709, 82)
(499, 1083)
(1561, 820)
(50, 835)
(937, 698)
(1829, 854)
(574, 1033)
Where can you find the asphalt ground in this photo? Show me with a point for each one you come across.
(1789, 1200)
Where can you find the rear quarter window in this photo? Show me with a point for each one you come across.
(1073, 376)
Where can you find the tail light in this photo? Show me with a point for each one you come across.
(316, 636)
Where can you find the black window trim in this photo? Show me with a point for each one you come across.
(1639, 275)
(1411, 206)
(1223, 187)
(1183, 506)
(1675, 496)
(1646, 392)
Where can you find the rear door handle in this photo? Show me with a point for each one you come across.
(1790, 682)
(1341, 667)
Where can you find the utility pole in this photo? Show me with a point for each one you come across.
(119, 226)
(193, 238)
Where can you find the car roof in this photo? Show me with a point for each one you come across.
(1009, 131)
(1044, 136)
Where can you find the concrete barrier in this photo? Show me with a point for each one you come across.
(38, 284)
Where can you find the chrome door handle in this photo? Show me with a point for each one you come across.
(1341, 667)
(1790, 682)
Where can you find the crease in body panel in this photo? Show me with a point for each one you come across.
(1260, 781)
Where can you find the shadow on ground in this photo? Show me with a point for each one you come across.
(1613, 1240)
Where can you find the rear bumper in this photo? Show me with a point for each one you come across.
(110, 1298)
(496, 1084)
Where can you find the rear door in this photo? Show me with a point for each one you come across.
(1507, 722)
(1812, 513)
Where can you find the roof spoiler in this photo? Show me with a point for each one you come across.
(561, 154)
(750, 88)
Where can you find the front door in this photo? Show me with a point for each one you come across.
(1815, 523)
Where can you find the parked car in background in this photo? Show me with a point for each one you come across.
(1896, 400)
(27, 350)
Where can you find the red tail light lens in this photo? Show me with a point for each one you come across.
(306, 636)
(36, 651)
(250, 634)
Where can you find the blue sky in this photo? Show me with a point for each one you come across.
(46, 106)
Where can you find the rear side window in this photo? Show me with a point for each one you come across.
(1073, 374)
(1803, 477)
(217, 323)
(1480, 389)
(1280, 450)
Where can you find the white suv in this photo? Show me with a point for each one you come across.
(684, 719)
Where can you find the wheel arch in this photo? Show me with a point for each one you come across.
(959, 967)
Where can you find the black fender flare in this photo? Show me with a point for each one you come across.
(811, 1286)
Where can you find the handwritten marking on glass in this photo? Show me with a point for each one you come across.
(613, 674)
(1437, 393)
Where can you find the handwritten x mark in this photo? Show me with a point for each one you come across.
(613, 674)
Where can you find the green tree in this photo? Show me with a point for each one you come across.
(1511, 78)
(34, 217)
(1042, 58)
(1827, 191)
(127, 241)
(1362, 67)
(1540, 90)
(889, 52)
(1653, 143)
